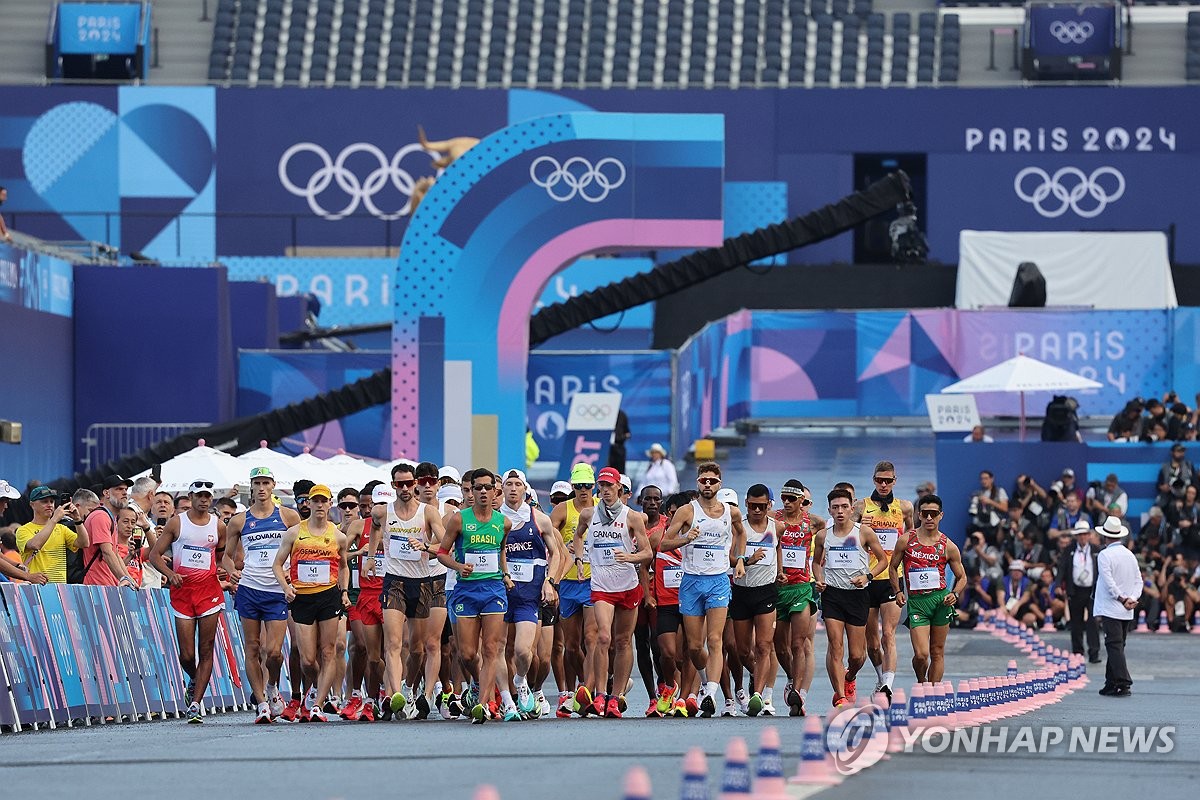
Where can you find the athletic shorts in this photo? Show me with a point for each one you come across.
(309, 609)
(668, 620)
(413, 597)
(929, 608)
(573, 596)
(880, 593)
(628, 599)
(750, 601)
(258, 605)
(848, 605)
(794, 598)
(549, 614)
(202, 598)
(472, 598)
(699, 593)
(368, 610)
(523, 608)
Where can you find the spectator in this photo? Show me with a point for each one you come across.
(988, 504)
(977, 554)
(659, 472)
(8, 550)
(1033, 502)
(1068, 485)
(1150, 603)
(83, 502)
(183, 504)
(1175, 475)
(225, 508)
(1156, 531)
(978, 435)
(1077, 572)
(161, 510)
(1015, 593)
(1126, 426)
(45, 542)
(1051, 599)
(1156, 415)
(130, 542)
(103, 565)
(977, 597)
(1031, 551)
(7, 494)
(4, 234)
(1107, 500)
(620, 435)
(1179, 596)
(1183, 516)
(924, 488)
(1068, 515)
(1179, 422)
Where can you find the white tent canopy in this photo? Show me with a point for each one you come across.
(203, 463)
(281, 465)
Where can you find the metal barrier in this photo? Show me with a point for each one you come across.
(106, 441)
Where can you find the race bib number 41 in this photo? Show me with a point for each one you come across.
(316, 572)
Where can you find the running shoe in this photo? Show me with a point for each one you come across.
(526, 702)
(385, 708)
(410, 709)
(422, 705)
(352, 709)
(305, 714)
(471, 696)
(291, 712)
(795, 702)
(493, 710)
(455, 708)
(614, 708)
(478, 714)
(852, 691)
(666, 698)
(264, 714)
(680, 710)
(708, 706)
(598, 705)
(565, 703)
(277, 705)
(331, 707)
(622, 702)
(652, 709)
(583, 699)
(692, 705)
(768, 710)
(397, 703)
(193, 715)
(887, 692)
(544, 709)
(368, 712)
(754, 705)
(743, 701)
(190, 691)
(839, 700)
(443, 700)
(315, 714)
(511, 714)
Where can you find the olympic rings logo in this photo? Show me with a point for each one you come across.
(360, 191)
(577, 177)
(1052, 195)
(1071, 32)
(593, 412)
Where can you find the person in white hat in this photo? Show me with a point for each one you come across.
(1118, 587)
(659, 472)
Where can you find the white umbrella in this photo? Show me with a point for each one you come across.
(351, 471)
(282, 465)
(313, 468)
(1022, 374)
(202, 463)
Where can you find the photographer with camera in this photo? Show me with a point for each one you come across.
(988, 506)
(1107, 499)
(983, 558)
(1175, 476)
(45, 542)
(1036, 507)
(1178, 593)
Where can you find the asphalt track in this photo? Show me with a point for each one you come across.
(584, 759)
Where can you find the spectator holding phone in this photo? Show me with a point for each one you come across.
(45, 542)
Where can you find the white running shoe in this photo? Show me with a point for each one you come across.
(730, 709)
(410, 709)
(743, 702)
(277, 705)
(768, 710)
(544, 708)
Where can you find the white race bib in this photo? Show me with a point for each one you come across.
(262, 555)
(887, 538)
(484, 562)
(705, 557)
(604, 555)
(842, 559)
(312, 572)
(196, 557)
(398, 547)
(672, 578)
(923, 579)
(521, 571)
(795, 557)
(378, 565)
(768, 549)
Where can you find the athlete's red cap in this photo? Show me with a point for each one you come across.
(609, 475)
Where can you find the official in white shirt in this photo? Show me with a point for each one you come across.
(659, 472)
(1118, 587)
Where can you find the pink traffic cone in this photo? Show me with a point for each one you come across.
(637, 784)
(769, 783)
(962, 712)
(898, 721)
(695, 776)
(1163, 625)
(486, 792)
(735, 778)
(880, 713)
(917, 713)
(812, 769)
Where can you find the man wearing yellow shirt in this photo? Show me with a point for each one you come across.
(44, 542)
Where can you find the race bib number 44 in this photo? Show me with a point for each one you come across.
(842, 559)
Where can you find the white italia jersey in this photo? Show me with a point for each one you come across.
(709, 553)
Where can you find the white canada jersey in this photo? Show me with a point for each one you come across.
(603, 544)
(709, 553)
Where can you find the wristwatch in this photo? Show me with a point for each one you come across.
(552, 582)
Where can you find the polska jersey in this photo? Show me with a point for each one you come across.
(193, 553)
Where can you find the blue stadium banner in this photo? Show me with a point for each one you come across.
(99, 27)
(1072, 30)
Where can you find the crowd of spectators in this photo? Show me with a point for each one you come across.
(1154, 420)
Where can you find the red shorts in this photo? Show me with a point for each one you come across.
(627, 599)
(202, 598)
(367, 610)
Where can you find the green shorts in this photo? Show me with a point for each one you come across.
(794, 598)
(929, 609)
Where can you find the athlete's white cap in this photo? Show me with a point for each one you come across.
(451, 473)
(728, 496)
(531, 497)
(561, 487)
(383, 494)
(516, 473)
(628, 484)
(450, 492)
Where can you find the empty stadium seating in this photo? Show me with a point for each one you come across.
(574, 43)
(1193, 46)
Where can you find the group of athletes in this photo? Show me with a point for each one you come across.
(457, 596)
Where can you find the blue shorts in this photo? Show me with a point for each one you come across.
(472, 598)
(259, 605)
(573, 596)
(522, 608)
(699, 593)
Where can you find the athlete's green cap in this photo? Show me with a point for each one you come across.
(262, 472)
(583, 473)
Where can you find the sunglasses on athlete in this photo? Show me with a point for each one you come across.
(487, 487)
(427, 481)
(404, 484)
(885, 481)
(348, 506)
(758, 506)
(708, 481)
(929, 513)
(582, 486)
